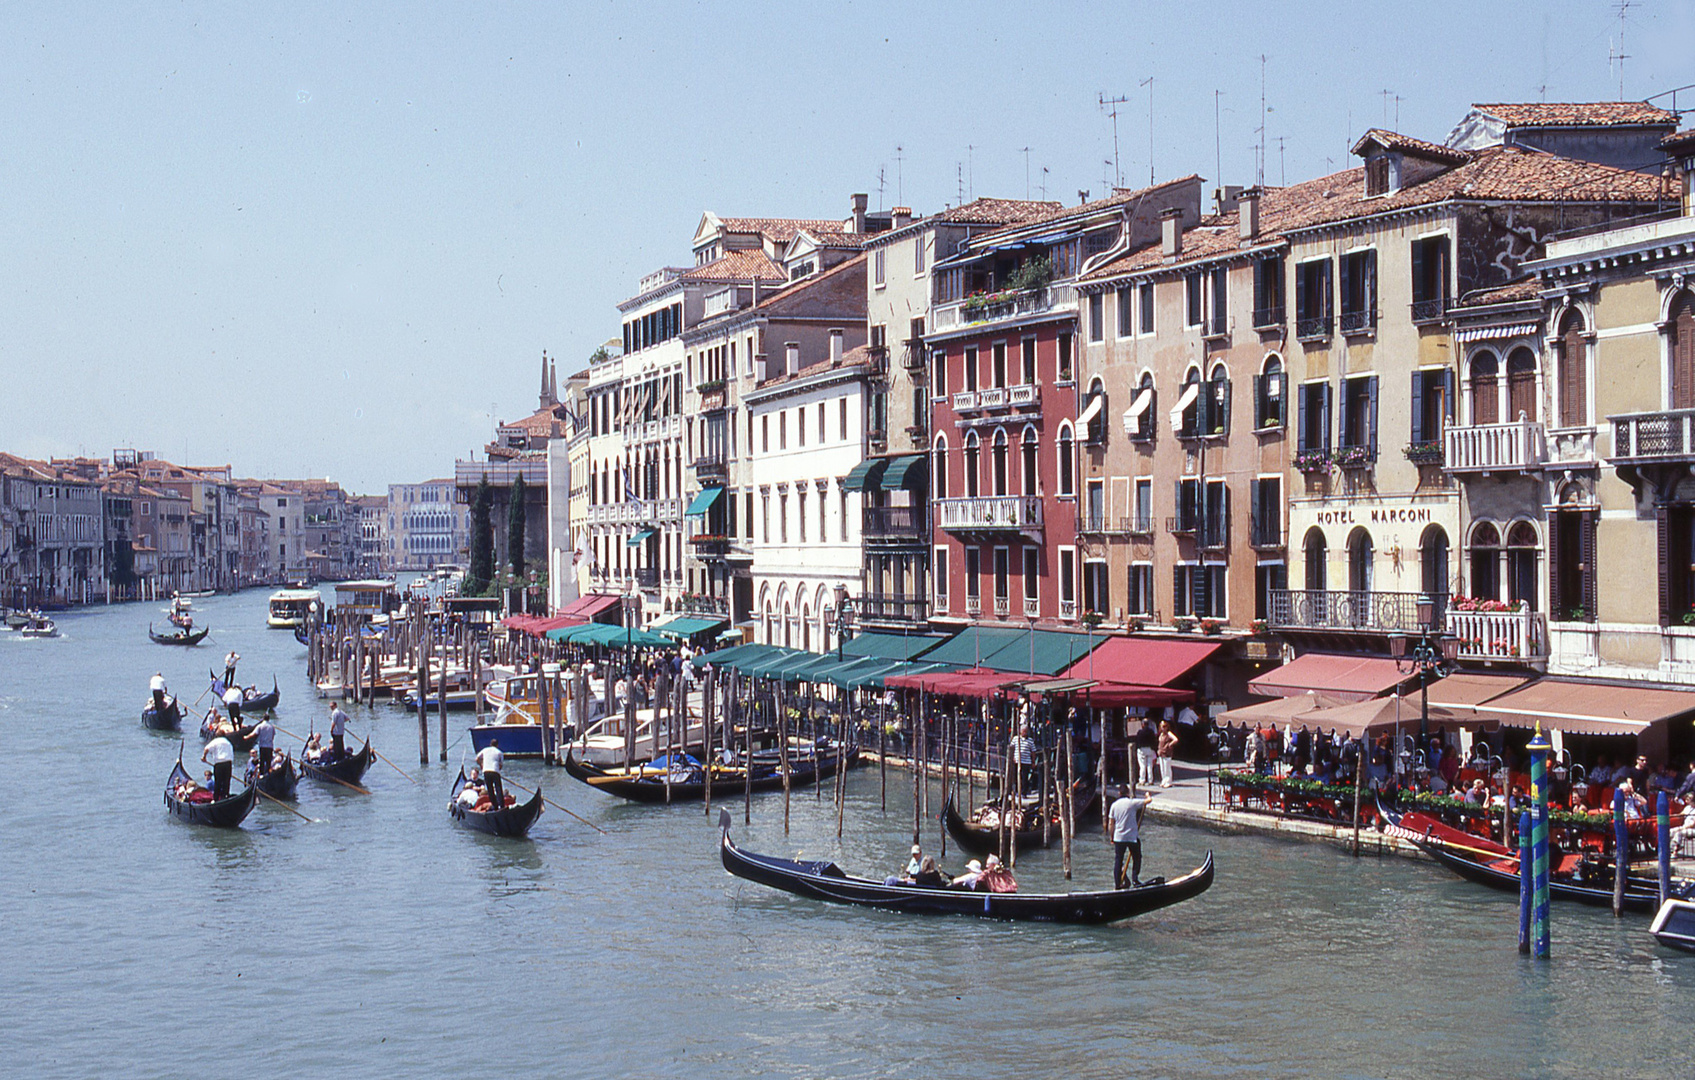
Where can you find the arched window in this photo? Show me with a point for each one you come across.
(1139, 424)
(1574, 378)
(768, 627)
(1433, 563)
(788, 627)
(1485, 562)
(1000, 450)
(806, 627)
(939, 456)
(1360, 553)
(1067, 460)
(1317, 560)
(1218, 402)
(1680, 350)
(1189, 406)
(1521, 385)
(1028, 463)
(1095, 405)
(973, 452)
(1522, 547)
(1269, 397)
(1485, 381)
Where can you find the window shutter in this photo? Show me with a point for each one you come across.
(1420, 254)
(1303, 410)
(1259, 401)
(1326, 306)
(1177, 505)
(1662, 527)
(1224, 420)
(1256, 506)
(1178, 607)
(1370, 290)
(1557, 601)
(1371, 415)
(1345, 278)
(1418, 406)
(1448, 395)
(1586, 529)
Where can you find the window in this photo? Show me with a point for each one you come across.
(1317, 552)
(1028, 371)
(800, 513)
(1377, 175)
(1215, 417)
(1574, 378)
(1312, 299)
(971, 368)
(917, 255)
(1029, 563)
(1571, 563)
(1218, 303)
(1096, 593)
(1313, 427)
(1485, 386)
(1198, 590)
(1027, 462)
(1142, 511)
(1139, 421)
(999, 453)
(1067, 582)
(1429, 278)
(1192, 298)
(997, 363)
(973, 453)
(764, 434)
(1094, 519)
(1095, 402)
(973, 573)
(877, 258)
(1067, 460)
(1680, 351)
(1002, 582)
(1188, 506)
(1675, 529)
(1268, 291)
(1214, 523)
(1268, 578)
(845, 516)
(1186, 417)
(1145, 317)
(1268, 395)
(1062, 369)
(939, 373)
(842, 425)
(1521, 385)
(941, 577)
(940, 456)
(800, 427)
(1097, 317)
(765, 517)
(1432, 405)
(1433, 562)
(1265, 514)
(1126, 309)
(1140, 598)
(1359, 291)
(1486, 562)
(1358, 429)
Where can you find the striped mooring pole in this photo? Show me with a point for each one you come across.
(1539, 748)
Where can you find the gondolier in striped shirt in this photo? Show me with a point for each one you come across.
(490, 760)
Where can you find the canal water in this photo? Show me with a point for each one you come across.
(380, 940)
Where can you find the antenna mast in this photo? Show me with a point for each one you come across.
(1114, 102)
(1623, 9)
(1149, 83)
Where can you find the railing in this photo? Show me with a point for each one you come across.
(709, 544)
(1358, 322)
(912, 354)
(974, 605)
(1032, 607)
(706, 605)
(1653, 436)
(1098, 521)
(647, 577)
(1003, 605)
(1139, 523)
(965, 401)
(1181, 525)
(1217, 326)
(1267, 317)
(1068, 609)
(1499, 635)
(1000, 306)
(900, 521)
(877, 359)
(1485, 448)
(991, 512)
(1317, 326)
(709, 465)
(1362, 612)
(1432, 310)
(877, 607)
(1213, 531)
(1022, 394)
(1265, 534)
(993, 397)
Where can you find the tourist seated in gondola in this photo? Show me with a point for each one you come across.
(472, 793)
(968, 880)
(314, 749)
(996, 876)
(929, 875)
(1635, 806)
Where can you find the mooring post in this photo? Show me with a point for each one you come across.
(1526, 882)
(1539, 748)
(1621, 853)
(1662, 824)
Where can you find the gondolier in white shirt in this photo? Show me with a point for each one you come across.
(1125, 814)
(232, 703)
(230, 662)
(221, 756)
(157, 685)
(338, 731)
(490, 760)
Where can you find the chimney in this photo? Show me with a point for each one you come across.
(859, 201)
(1225, 198)
(835, 346)
(1171, 231)
(1248, 209)
(761, 370)
(791, 365)
(900, 217)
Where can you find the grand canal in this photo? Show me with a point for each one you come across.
(382, 941)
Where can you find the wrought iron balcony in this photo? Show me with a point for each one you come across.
(1431, 310)
(1487, 448)
(1648, 437)
(647, 577)
(710, 467)
(1317, 326)
(1359, 322)
(895, 522)
(892, 608)
(1002, 307)
(912, 354)
(1265, 534)
(1346, 611)
(708, 545)
(993, 512)
(1216, 326)
(1267, 318)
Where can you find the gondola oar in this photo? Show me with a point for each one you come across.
(324, 776)
(556, 806)
(266, 795)
(379, 753)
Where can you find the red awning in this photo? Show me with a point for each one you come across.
(1346, 678)
(1117, 695)
(1142, 661)
(557, 622)
(589, 606)
(971, 682)
(517, 622)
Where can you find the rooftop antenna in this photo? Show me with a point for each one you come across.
(959, 180)
(1149, 83)
(1282, 164)
(1259, 164)
(1026, 153)
(1217, 139)
(970, 170)
(1114, 102)
(1106, 175)
(1618, 54)
(882, 171)
(900, 175)
(1044, 183)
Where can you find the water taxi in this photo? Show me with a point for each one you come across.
(290, 607)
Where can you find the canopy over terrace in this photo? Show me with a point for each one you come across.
(687, 626)
(1354, 719)
(1590, 708)
(592, 606)
(891, 646)
(1349, 678)
(617, 637)
(1010, 649)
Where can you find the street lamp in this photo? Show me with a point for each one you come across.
(1430, 651)
(843, 618)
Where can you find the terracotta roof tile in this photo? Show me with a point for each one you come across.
(1406, 144)
(998, 212)
(1529, 288)
(1679, 142)
(780, 230)
(747, 265)
(1577, 114)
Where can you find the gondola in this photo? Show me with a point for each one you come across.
(181, 638)
(241, 740)
(257, 703)
(1674, 925)
(647, 784)
(981, 839)
(349, 769)
(826, 881)
(513, 822)
(225, 814)
(167, 719)
(1488, 863)
(302, 634)
(279, 783)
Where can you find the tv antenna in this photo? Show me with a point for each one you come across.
(1026, 152)
(970, 170)
(1617, 53)
(882, 177)
(1149, 83)
(900, 175)
(1044, 183)
(1259, 164)
(1114, 103)
(1387, 95)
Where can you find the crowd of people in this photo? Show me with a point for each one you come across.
(986, 875)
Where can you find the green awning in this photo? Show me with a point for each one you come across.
(745, 658)
(1006, 648)
(902, 472)
(703, 501)
(772, 664)
(973, 646)
(860, 477)
(891, 646)
(686, 626)
(640, 538)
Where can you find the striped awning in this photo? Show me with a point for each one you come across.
(1495, 333)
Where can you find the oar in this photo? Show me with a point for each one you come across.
(379, 753)
(555, 805)
(267, 795)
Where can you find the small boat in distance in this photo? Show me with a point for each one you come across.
(981, 834)
(39, 626)
(647, 783)
(290, 608)
(181, 637)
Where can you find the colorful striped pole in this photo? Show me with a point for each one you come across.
(1526, 875)
(1663, 832)
(1539, 748)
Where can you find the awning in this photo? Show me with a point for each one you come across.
(616, 637)
(972, 682)
(1133, 414)
(1055, 686)
(702, 502)
(1280, 710)
(1583, 707)
(1042, 652)
(1359, 717)
(1190, 393)
(902, 471)
(640, 538)
(591, 605)
(1348, 678)
(859, 478)
(890, 646)
(686, 626)
(1118, 695)
(1143, 661)
(1092, 410)
(1482, 333)
(1469, 689)
(972, 646)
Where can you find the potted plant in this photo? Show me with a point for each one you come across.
(1313, 461)
(1425, 452)
(1258, 626)
(1092, 619)
(1135, 623)
(1211, 626)
(1183, 624)
(1354, 457)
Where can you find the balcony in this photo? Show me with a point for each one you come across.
(895, 523)
(1313, 328)
(1265, 535)
(1101, 523)
(1500, 635)
(710, 467)
(1032, 607)
(1023, 396)
(1140, 524)
(1359, 322)
(1489, 448)
(710, 545)
(1650, 437)
(1572, 447)
(647, 577)
(965, 401)
(1001, 307)
(877, 360)
(993, 397)
(1268, 318)
(880, 608)
(1213, 531)
(991, 513)
(912, 354)
(1068, 609)
(1347, 612)
(1003, 606)
(1216, 327)
(974, 605)
(1429, 311)
(706, 605)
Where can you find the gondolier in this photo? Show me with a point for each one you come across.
(490, 760)
(265, 736)
(221, 756)
(157, 685)
(230, 662)
(338, 730)
(1024, 751)
(232, 703)
(1126, 817)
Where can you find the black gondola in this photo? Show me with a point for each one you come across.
(167, 719)
(650, 787)
(302, 635)
(279, 783)
(224, 814)
(258, 702)
(348, 769)
(981, 839)
(513, 822)
(183, 638)
(242, 739)
(826, 881)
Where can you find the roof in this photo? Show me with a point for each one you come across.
(1005, 648)
(1406, 144)
(998, 212)
(1589, 707)
(890, 646)
(1142, 660)
(1465, 688)
(737, 266)
(591, 605)
(684, 626)
(781, 230)
(1679, 142)
(1528, 288)
(1347, 678)
(1578, 114)
(540, 422)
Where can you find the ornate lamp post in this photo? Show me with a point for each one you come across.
(844, 617)
(1430, 651)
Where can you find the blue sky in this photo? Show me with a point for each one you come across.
(311, 241)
